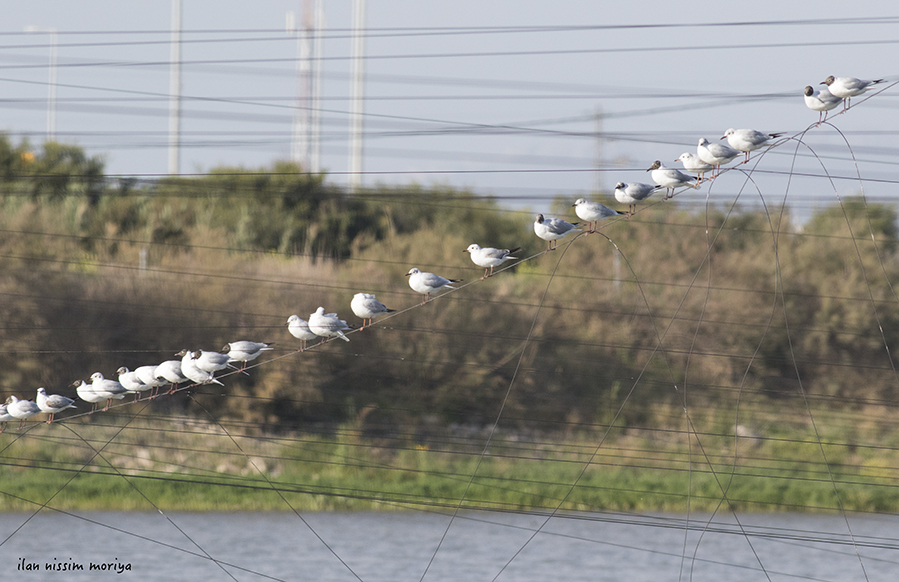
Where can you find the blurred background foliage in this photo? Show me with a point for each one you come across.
(102, 272)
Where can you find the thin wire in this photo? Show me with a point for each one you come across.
(818, 438)
(499, 412)
(272, 485)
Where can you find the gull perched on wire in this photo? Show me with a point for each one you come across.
(593, 212)
(821, 101)
(299, 328)
(848, 87)
(132, 382)
(633, 193)
(716, 154)
(22, 409)
(5, 417)
(86, 392)
(366, 306)
(211, 361)
(553, 229)
(748, 140)
(427, 283)
(111, 389)
(670, 178)
(245, 351)
(147, 375)
(53, 403)
(327, 325)
(170, 370)
(692, 163)
(489, 257)
(190, 369)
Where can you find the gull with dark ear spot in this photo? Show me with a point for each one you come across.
(211, 361)
(670, 178)
(748, 140)
(245, 351)
(633, 193)
(848, 87)
(593, 212)
(131, 381)
(553, 229)
(489, 257)
(86, 392)
(821, 101)
(190, 369)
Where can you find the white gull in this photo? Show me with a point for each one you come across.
(593, 212)
(670, 178)
(111, 389)
(132, 382)
(848, 87)
(366, 306)
(245, 351)
(716, 154)
(489, 257)
(427, 283)
(299, 328)
(327, 325)
(53, 403)
(633, 193)
(553, 229)
(748, 140)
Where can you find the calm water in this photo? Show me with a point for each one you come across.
(398, 547)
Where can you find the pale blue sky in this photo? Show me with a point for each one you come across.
(442, 107)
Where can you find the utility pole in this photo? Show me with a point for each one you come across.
(358, 75)
(305, 148)
(299, 145)
(599, 154)
(175, 91)
(315, 122)
(52, 83)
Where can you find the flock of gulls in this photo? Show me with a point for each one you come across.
(199, 367)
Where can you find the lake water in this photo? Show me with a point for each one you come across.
(382, 547)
